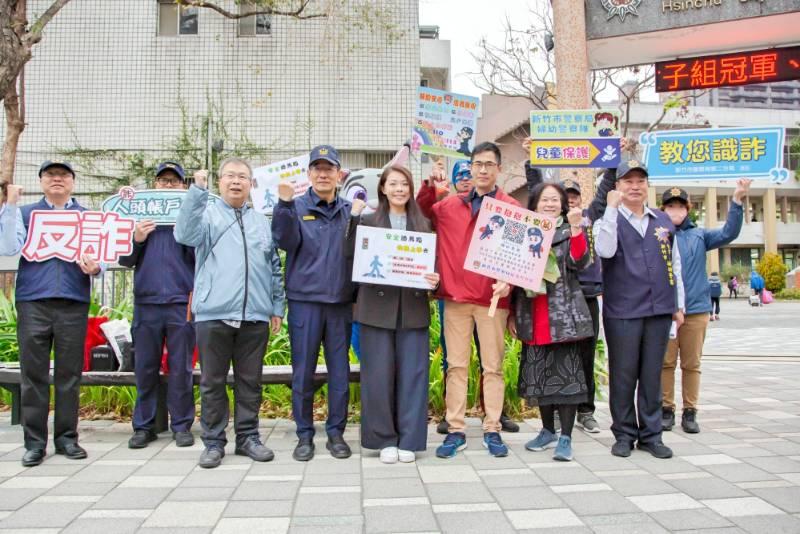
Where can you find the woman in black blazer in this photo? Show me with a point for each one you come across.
(394, 334)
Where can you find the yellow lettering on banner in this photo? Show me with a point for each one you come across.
(752, 148)
(698, 150)
(670, 152)
(725, 149)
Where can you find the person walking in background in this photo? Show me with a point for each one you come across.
(733, 288)
(757, 285)
(715, 286)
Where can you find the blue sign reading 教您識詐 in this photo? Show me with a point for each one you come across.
(158, 205)
(716, 154)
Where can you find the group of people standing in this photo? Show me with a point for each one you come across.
(215, 281)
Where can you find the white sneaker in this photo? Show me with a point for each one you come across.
(406, 456)
(389, 455)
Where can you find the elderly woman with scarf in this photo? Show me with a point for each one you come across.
(551, 322)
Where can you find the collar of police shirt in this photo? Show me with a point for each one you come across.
(639, 224)
(69, 203)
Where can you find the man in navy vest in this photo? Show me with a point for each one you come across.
(163, 281)
(311, 230)
(52, 299)
(643, 295)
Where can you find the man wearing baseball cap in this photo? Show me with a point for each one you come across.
(311, 229)
(693, 243)
(50, 315)
(643, 295)
(162, 284)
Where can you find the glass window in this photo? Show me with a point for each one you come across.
(260, 24)
(174, 20)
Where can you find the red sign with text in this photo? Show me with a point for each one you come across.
(757, 66)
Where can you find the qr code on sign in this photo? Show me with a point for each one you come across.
(514, 232)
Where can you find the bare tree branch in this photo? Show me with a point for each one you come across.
(298, 13)
(35, 33)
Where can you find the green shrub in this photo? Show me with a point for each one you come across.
(739, 270)
(772, 268)
(789, 293)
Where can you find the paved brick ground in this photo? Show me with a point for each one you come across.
(741, 474)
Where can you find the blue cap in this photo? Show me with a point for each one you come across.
(324, 152)
(170, 166)
(631, 165)
(461, 171)
(56, 163)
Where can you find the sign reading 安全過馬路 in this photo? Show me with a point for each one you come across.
(393, 257)
(716, 154)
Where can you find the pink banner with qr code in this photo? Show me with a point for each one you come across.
(510, 244)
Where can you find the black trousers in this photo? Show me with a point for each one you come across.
(59, 324)
(714, 305)
(636, 349)
(219, 344)
(586, 348)
(394, 388)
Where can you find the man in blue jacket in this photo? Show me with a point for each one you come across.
(52, 299)
(693, 243)
(238, 297)
(311, 230)
(163, 281)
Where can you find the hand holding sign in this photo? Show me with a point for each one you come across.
(142, 230)
(358, 207)
(88, 265)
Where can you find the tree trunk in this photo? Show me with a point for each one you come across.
(15, 123)
(15, 54)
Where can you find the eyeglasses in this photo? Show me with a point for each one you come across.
(168, 180)
(63, 174)
(488, 165)
(236, 176)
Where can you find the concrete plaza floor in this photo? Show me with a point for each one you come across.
(740, 474)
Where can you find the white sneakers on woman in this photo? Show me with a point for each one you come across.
(390, 455)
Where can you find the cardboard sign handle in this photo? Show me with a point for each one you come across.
(493, 305)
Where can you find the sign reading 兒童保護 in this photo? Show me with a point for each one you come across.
(393, 257)
(575, 138)
(715, 153)
(510, 244)
(445, 123)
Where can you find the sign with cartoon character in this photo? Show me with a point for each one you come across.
(363, 183)
(575, 138)
(158, 205)
(445, 123)
(393, 257)
(716, 154)
(510, 244)
(264, 193)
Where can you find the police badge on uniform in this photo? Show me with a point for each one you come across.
(620, 8)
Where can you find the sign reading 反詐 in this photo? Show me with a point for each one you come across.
(511, 244)
(158, 205)
(444, 123)
(715, 153)
(575, 138)
(264, 193)
(68, 234)
(393, 257)
(758, 66)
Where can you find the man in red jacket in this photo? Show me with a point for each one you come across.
(467, 297)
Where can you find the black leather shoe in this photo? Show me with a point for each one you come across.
(507, 424)
(252, 447)
(689, 421)
(621, 449)
(33, 457)
(338, 447)
(304, 450)
(657, 449)
(183, 438)
(443, 427)
(141, 438)
(211, 457)
(667, 418)
(73, 451)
